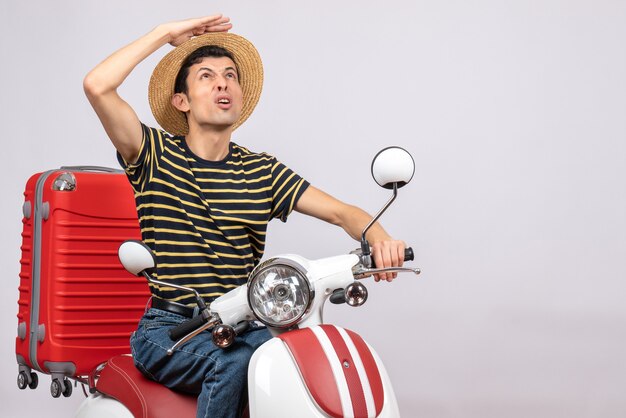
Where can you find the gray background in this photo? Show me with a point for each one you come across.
(515, 114)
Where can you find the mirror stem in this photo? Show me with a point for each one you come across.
(199, 299)
(365, 246)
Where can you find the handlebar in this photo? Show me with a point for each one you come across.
(339, 296)
(363, 270)
(202, 319)
(184, 328)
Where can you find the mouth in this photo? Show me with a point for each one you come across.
(223, 102)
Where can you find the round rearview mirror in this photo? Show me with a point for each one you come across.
(136, 256)
(393, 165)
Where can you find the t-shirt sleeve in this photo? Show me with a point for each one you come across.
(151, 148)
(287, 187)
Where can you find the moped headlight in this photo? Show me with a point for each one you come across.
(279, 292)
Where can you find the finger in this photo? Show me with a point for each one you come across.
(213, 27)
(387, 260)
(217, 22)
(209, 19)
(396, 260)
(397, 254)
(220, 28)
(200, 25)
(378, 261)
(224, 20)
(400, 249)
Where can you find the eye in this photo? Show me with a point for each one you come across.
(207, 74)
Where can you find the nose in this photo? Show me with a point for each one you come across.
(222, 85)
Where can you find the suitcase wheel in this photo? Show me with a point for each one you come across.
(55, 388)
(67, 392)
(23, 381)
(58, 387)
(34, 380)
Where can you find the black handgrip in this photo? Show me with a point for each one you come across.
(408, 254)
(241, 327)
(184, 328)
(338, 297)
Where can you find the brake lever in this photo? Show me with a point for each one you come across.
(210, 324)
(361, 273)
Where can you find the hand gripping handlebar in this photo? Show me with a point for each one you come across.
(361, 271)
(409, 255)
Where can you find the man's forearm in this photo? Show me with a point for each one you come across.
(353, 220)
(386, 251)
(119, 120)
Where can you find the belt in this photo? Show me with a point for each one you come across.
(173, 307)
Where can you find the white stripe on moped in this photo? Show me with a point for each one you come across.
(336, 367)
(360, 368)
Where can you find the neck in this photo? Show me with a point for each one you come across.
(211, 144)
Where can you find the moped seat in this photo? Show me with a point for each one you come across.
(145, 398)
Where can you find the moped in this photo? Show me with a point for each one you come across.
(309, 369)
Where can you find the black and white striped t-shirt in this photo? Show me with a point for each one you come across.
(206, 220)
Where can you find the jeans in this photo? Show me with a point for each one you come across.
(218, 376)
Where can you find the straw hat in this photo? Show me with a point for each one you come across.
(161, 88)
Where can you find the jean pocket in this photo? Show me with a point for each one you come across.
(158, 324)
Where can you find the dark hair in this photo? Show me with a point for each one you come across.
(180, 85)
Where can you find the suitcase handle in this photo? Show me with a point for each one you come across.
(90, 168)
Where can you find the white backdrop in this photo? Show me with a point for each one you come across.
(515, 114)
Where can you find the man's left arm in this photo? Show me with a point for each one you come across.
(386, 251)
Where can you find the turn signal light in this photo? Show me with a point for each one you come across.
(356, 294)
(223, 335)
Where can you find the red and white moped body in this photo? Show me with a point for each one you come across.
(320, 370)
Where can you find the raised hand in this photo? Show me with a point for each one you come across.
(183, 30)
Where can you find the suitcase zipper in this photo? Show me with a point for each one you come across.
(37, 333)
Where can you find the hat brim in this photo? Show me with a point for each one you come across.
(161, 88)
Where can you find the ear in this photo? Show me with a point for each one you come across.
(180, 102)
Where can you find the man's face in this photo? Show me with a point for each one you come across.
(214, 96)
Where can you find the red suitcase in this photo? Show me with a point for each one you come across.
(77, 304)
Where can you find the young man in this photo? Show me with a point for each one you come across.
(203, 201)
